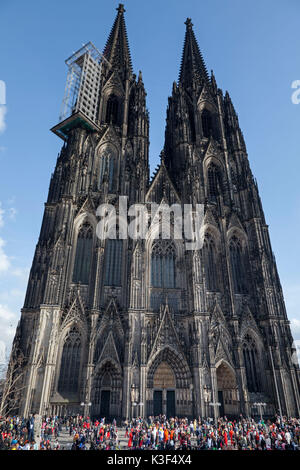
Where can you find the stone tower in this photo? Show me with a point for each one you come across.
(125, 327)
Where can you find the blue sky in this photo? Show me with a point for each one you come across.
(253, 48)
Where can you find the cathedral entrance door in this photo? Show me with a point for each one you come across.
(170, 403)
(164, 390)
(105, 402)
(227, 390)
(157, 402)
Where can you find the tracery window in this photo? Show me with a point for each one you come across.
(210, 263)
(70, 362)
(83, 256)
(113, 262)
(112, 110)
(206, 120)
(107, 170)
(214, 181)
(237, 260)
(251, 366)
(163, 264)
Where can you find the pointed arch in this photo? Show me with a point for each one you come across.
(113, 109)
(113, 262)
(214, 181)
(68, 381)
(107, 169)
(83, 254)
(163, 256)
(251, 363)
(207, 123)
(238, 267)
(228, 394)
(164, 376)
(222, 362)
(175, 361)
(210, 263)
(107, 389)
(74, 315)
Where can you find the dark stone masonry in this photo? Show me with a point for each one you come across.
(124, 328)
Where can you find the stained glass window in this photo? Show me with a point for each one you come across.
(237, 259)
(210, 263)
(163, 264)
(83, 256)
(70, 363)
(113, 263)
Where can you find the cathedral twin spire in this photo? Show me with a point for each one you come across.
(117, 50)
(193, 69)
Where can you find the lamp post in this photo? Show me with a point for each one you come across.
(85, 408)
(134, 398)
(215, 404)
(141, 404)
(260, 406)
(275, 382)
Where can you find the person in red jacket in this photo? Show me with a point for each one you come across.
(231, 435)
(130, 439)
(225, 438)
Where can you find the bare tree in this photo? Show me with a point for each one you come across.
(12, 386)
(3, 371)
(14, 381)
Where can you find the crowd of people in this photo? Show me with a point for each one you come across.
(242, 434)
(154, 433)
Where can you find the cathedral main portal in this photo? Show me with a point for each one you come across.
(164, 390)
(227, 390)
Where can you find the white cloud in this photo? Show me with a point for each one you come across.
(295, 325)
(2, 352)
(2, 118)
(297, 344)
(3, 92)
(12, 213)
(291, 296)
(4, 260)
(5, 313)
(12, 296)
(9, 321)
(22, 273)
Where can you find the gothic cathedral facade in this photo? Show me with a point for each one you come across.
(124, 327)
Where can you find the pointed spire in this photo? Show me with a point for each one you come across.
(117, 49)
(213, 82)
(192, 68)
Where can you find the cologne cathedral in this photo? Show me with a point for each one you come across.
(141, 327)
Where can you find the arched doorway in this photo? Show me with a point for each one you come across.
(227, 390)
(164, 391)
(106, 391)
(169, 388)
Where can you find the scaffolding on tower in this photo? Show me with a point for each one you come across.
(81, 98)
